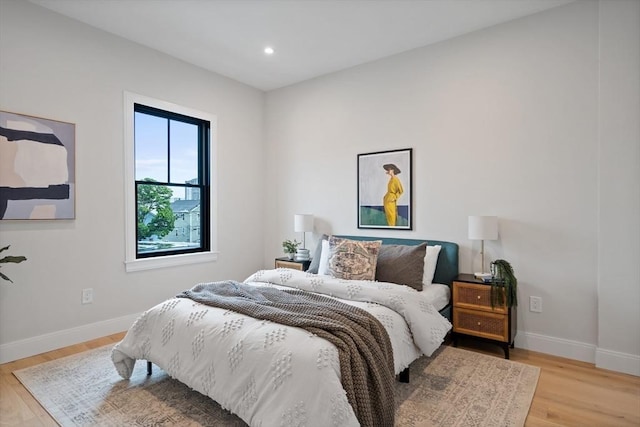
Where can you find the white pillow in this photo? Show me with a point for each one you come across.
(323, 267)
(430, 261)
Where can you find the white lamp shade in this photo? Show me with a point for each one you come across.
(302, 223)
(483, 228)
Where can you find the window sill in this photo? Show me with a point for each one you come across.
(169, 261)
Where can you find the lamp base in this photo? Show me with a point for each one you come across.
(302, 255)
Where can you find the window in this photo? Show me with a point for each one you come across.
(170, 218)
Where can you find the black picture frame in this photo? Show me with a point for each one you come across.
(384, 187)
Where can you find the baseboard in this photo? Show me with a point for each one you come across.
(601, 358)
(556, 346)
(619, 362)
(55, 340)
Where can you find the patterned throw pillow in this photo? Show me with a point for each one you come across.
(353, 259)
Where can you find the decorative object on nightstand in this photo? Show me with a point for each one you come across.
(302, 223)
(290, 247)
(302, 255)
(475, 315)
(296, 265)
(483, 228)
(504, 285)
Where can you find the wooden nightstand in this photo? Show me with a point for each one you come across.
(473, 315)
(289, 263)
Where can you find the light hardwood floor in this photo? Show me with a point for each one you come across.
(569, 393)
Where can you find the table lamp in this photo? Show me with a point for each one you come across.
(302, 223)
(483, 228)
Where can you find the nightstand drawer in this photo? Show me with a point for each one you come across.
(477, 297)
(296, 265)
(481, 324)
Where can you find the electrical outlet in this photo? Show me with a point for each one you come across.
(87, 296)
(535, 304)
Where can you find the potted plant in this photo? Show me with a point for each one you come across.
(290, 247)
(9, 258)
(503, 284)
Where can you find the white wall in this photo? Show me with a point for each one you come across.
(619, 180)
(56, 68)
(503, 121)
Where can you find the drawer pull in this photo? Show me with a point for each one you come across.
(478, 296)
(478, 323)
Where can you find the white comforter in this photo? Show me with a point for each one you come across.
(266, 373)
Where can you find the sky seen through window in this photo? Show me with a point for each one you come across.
(152, 138)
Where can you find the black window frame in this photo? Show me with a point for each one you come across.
(204, 177)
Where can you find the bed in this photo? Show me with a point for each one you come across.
(446, 268)
(271, 373)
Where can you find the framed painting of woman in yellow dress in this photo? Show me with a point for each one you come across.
(384, 189)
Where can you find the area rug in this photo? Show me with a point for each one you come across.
(454, 387)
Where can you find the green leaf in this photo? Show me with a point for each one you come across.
(504, 285)
(5, 277)
(15, 259)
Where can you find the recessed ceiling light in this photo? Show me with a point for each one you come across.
(269, 50)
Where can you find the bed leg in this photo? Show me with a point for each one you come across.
(149, 368)
(403, 376)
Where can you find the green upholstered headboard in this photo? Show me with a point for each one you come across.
(447, 266)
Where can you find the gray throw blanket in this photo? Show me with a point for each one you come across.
(364, 348)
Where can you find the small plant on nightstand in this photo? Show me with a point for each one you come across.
(503, 279)
(290, 247)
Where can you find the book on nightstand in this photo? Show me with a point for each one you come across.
(483, 276)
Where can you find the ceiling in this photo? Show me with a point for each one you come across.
(310, 37)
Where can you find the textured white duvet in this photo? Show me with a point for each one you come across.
(267, 373)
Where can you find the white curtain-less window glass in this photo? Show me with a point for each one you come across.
(178, 218)
(183, 152)
(170, 182)
(151, 147)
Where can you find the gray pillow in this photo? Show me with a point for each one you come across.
(315, 261)
(401, 264)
